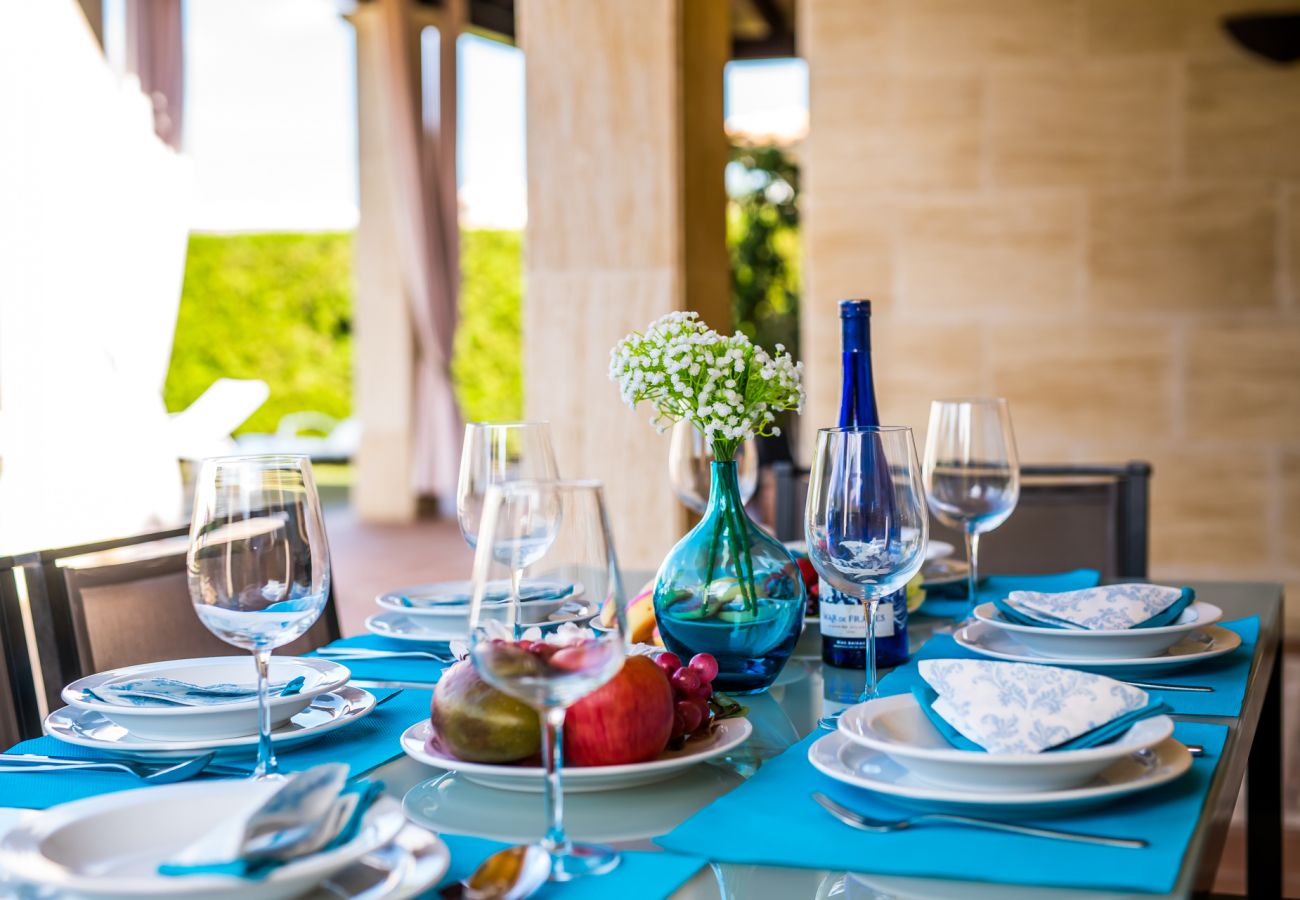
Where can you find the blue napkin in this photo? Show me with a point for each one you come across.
(364, 745)
(1166, 616)
(1102, 734)
(772, 820)
(949, 601)
(413, 669)
(641, 875)
(174, 692)
(1226, 674)
(273, 836)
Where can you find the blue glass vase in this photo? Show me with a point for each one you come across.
(730, 589)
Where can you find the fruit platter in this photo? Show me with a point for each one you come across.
(656, 717)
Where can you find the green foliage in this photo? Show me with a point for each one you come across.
(763, 240)
(487, 365)
(272, 306)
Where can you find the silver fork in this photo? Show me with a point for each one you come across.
(1155, 686)
(881, 826)
(181, 771)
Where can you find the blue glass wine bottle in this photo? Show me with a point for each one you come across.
(843, 623)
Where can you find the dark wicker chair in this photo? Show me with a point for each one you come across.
(20, 716)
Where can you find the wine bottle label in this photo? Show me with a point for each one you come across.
(842, 616)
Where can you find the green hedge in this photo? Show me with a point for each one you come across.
(279, 307)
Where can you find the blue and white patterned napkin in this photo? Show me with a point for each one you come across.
(1110, 607)
(1007, 707)
(174, 692)
(311, 812)
(496, 592)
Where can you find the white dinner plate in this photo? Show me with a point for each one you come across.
(218, 720)
(851, 763)
(728, 734)
(109, 847)
(1084, 644)
(450, 599)
(406, 867)
(933, 549)
(399, 626)
(944, 570)
(997, 643)
(326, 713)
(899, 728)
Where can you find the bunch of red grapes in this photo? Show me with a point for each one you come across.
(692, 687)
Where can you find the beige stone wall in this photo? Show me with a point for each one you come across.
(1091, 207)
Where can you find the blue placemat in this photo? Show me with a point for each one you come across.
(641, 875)
(948, 601)
(772, 820)
(363, 745)
(410, 669)
(1226, 674)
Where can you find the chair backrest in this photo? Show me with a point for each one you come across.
(124, 603)
(19, 712)
(1068, 517)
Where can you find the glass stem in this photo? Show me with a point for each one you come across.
(516, 584)
(972, 575)
(556, 842)
(869, 687)
(267, 767)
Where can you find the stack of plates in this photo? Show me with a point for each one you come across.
(326, 702)
(439, 612)
(889, 746)
(1192, 638)
(111, 846)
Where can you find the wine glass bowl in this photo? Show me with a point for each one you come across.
(972, 470)
(258, 565)
(495, 453)
(690, 459)
(867, 522)
(558, 531)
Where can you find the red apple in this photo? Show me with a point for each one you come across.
(629, 719)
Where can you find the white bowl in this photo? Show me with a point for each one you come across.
(392, 601)
(898, 727)
(222, 720)
(1128, 643)
(729, 733)
(109, 847)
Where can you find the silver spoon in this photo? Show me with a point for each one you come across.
(514, 873)
(359, 653)
(180, 771)
(881, 826)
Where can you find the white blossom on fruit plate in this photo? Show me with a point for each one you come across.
(727, 387)
(496, 630)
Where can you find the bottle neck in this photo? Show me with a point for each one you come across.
(724, 487)
(858, 400)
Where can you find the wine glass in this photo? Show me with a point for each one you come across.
(689, 459)
(867, 522)
(258, 563)
(560, 530)
(972, 471)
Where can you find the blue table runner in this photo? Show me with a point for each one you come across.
(772, 820)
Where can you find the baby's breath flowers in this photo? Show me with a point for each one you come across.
(727, 387)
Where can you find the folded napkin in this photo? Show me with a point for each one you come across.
(1110, 607)
(311, 812)
(1006, 707)
(174, 692)
(951, 600)
(495, 592)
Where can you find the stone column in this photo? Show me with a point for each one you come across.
(626, 221)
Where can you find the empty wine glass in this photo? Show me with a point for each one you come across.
(689, 459)
(495, 453)
(258, 563)
(556, 530)
(972, 471)
(866, 523)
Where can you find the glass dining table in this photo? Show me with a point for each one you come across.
(632, 817)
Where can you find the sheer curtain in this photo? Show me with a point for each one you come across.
(428, 245)
(155, 53)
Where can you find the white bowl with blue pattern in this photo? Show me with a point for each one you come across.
(897, 727)
(1078, 644)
